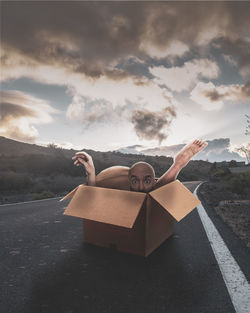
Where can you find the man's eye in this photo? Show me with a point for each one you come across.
(147, 181)
(134, 181)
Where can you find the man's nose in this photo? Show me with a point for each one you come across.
(141, 187)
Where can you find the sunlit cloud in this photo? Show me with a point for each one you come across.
(183, 77)
(211, 97)
(121, 58)
(103, 99)
(20, 113)
(175, 49)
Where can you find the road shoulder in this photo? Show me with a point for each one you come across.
(236, 246)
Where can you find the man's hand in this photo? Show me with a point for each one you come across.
(86, 160)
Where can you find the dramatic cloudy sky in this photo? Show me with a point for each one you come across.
(102, 75)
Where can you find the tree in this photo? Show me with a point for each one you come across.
(213, 166)
(245, 149)
(232, 163)
(56, 150)
(247, 132)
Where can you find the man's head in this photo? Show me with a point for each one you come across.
(141, 177)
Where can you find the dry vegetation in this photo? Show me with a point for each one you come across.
(229, 196)
(33, 172)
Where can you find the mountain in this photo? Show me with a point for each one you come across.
(13, 147)
(9, 147)
(217, 150)
(131, 149)
(169, 151)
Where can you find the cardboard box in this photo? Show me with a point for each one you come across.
(132, 222)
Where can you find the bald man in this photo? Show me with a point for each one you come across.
(141, 174)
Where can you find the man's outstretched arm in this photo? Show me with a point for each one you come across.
(181, 160)
(86, 160)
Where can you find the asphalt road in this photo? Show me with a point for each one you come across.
(46, 267)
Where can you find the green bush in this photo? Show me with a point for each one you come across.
(44, 195)
(232, 163)
(218, 173)
(238, 183)
(12, 181)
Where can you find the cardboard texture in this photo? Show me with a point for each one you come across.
(132, 222)
(116, 207)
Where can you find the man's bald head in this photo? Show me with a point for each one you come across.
(141, 177)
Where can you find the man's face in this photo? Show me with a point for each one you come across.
(141, 179)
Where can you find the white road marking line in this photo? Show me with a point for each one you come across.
(29, 201)
(235, 280)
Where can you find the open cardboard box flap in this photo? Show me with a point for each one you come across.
(70, 194)
(176, 199)
(121, 207)
(116, 207)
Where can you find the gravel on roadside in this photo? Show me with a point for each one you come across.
(232, 208)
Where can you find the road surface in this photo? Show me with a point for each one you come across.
(45, 267)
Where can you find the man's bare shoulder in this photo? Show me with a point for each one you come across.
(156, 185)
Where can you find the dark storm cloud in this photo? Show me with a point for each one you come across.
(152, 125)
(238, 48)
(84, 37)
(90, 37)
(235, 40)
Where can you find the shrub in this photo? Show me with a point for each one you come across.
(238, 183)
(232, 163)
(44, 195)
(57, 183)
(218, 173)
(12, 181)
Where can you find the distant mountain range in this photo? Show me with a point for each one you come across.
(135, 149)
(217, 150)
